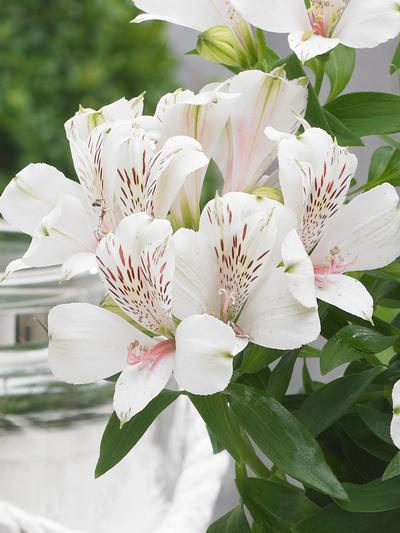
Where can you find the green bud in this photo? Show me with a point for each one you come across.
(221, 45)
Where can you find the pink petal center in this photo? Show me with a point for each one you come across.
(137, 354)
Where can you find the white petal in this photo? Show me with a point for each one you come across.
(196, 281)
(242, 229)
(88, 343)
(67, 230)
(138, 385)
(204, 354)
(196, 14)
(280, 16)
(202, 117)
(368, 23)
(86, 120)
(348, 294)
(365, 232)
(299, 270)
(32, 194)
(137, 267)
(78, 264)
(266, 100)
(395, 425)
(312, 46)
(273, 318)
(181, 156)
(315, 176)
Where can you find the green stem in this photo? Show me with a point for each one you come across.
(319, 76)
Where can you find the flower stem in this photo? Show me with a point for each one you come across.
(319, 76)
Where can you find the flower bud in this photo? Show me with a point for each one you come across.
(221, 45)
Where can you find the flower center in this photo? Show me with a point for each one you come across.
(138, 354)
(324, 15)
(228, 300)
(335, 265)
(102, 229)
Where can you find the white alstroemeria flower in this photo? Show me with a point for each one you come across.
(326, 23)
(395, 425)
(229, 268)
(315, 175)
(203, 117)
(121, 171)
(244, 153)
(88, 343)
(200, 15)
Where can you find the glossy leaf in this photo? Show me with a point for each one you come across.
(275, 504)
(328, 404)
(368, 113)
(332, 519)
(117, 442)
(339, 69)
(376, 421)
(280, 377)
(284, 440)
(393, 468)
(255, 358)
(375, 497)
(344, 136)
(233, 522)
(352, 343)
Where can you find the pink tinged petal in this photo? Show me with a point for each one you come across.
(299, 270)
(275, 319)
(315, 176)
(346, 293)
(137, 266)
(395, 425)
(242, 230)
(67, 230)
(245, 153)
(88, 343)
(204, 354)
(32, 194)
(138, 385)
(284, 16)
(196, 285)
(196, 14)
(368, 23)
(202, 117)
(364, 234)
(307, 45)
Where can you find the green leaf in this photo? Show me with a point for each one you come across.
(375, 497)
(393, 468)
(377, 421)
(343, 135)
(215, 412)
(360, 434)
(395, 61)
(332, 519)
(284, 440)
(368, 113)
(280, 377)
(339, 68)
(328, 404)
(117, 442)
(390, 272)
(352, 343)
(275, 504)
(256, 358)
(390, 173)
(233, 522)
(379, 161)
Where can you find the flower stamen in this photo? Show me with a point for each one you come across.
(138, 354)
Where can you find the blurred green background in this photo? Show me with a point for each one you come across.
(55, 55)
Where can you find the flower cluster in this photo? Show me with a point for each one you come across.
(187, 288)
